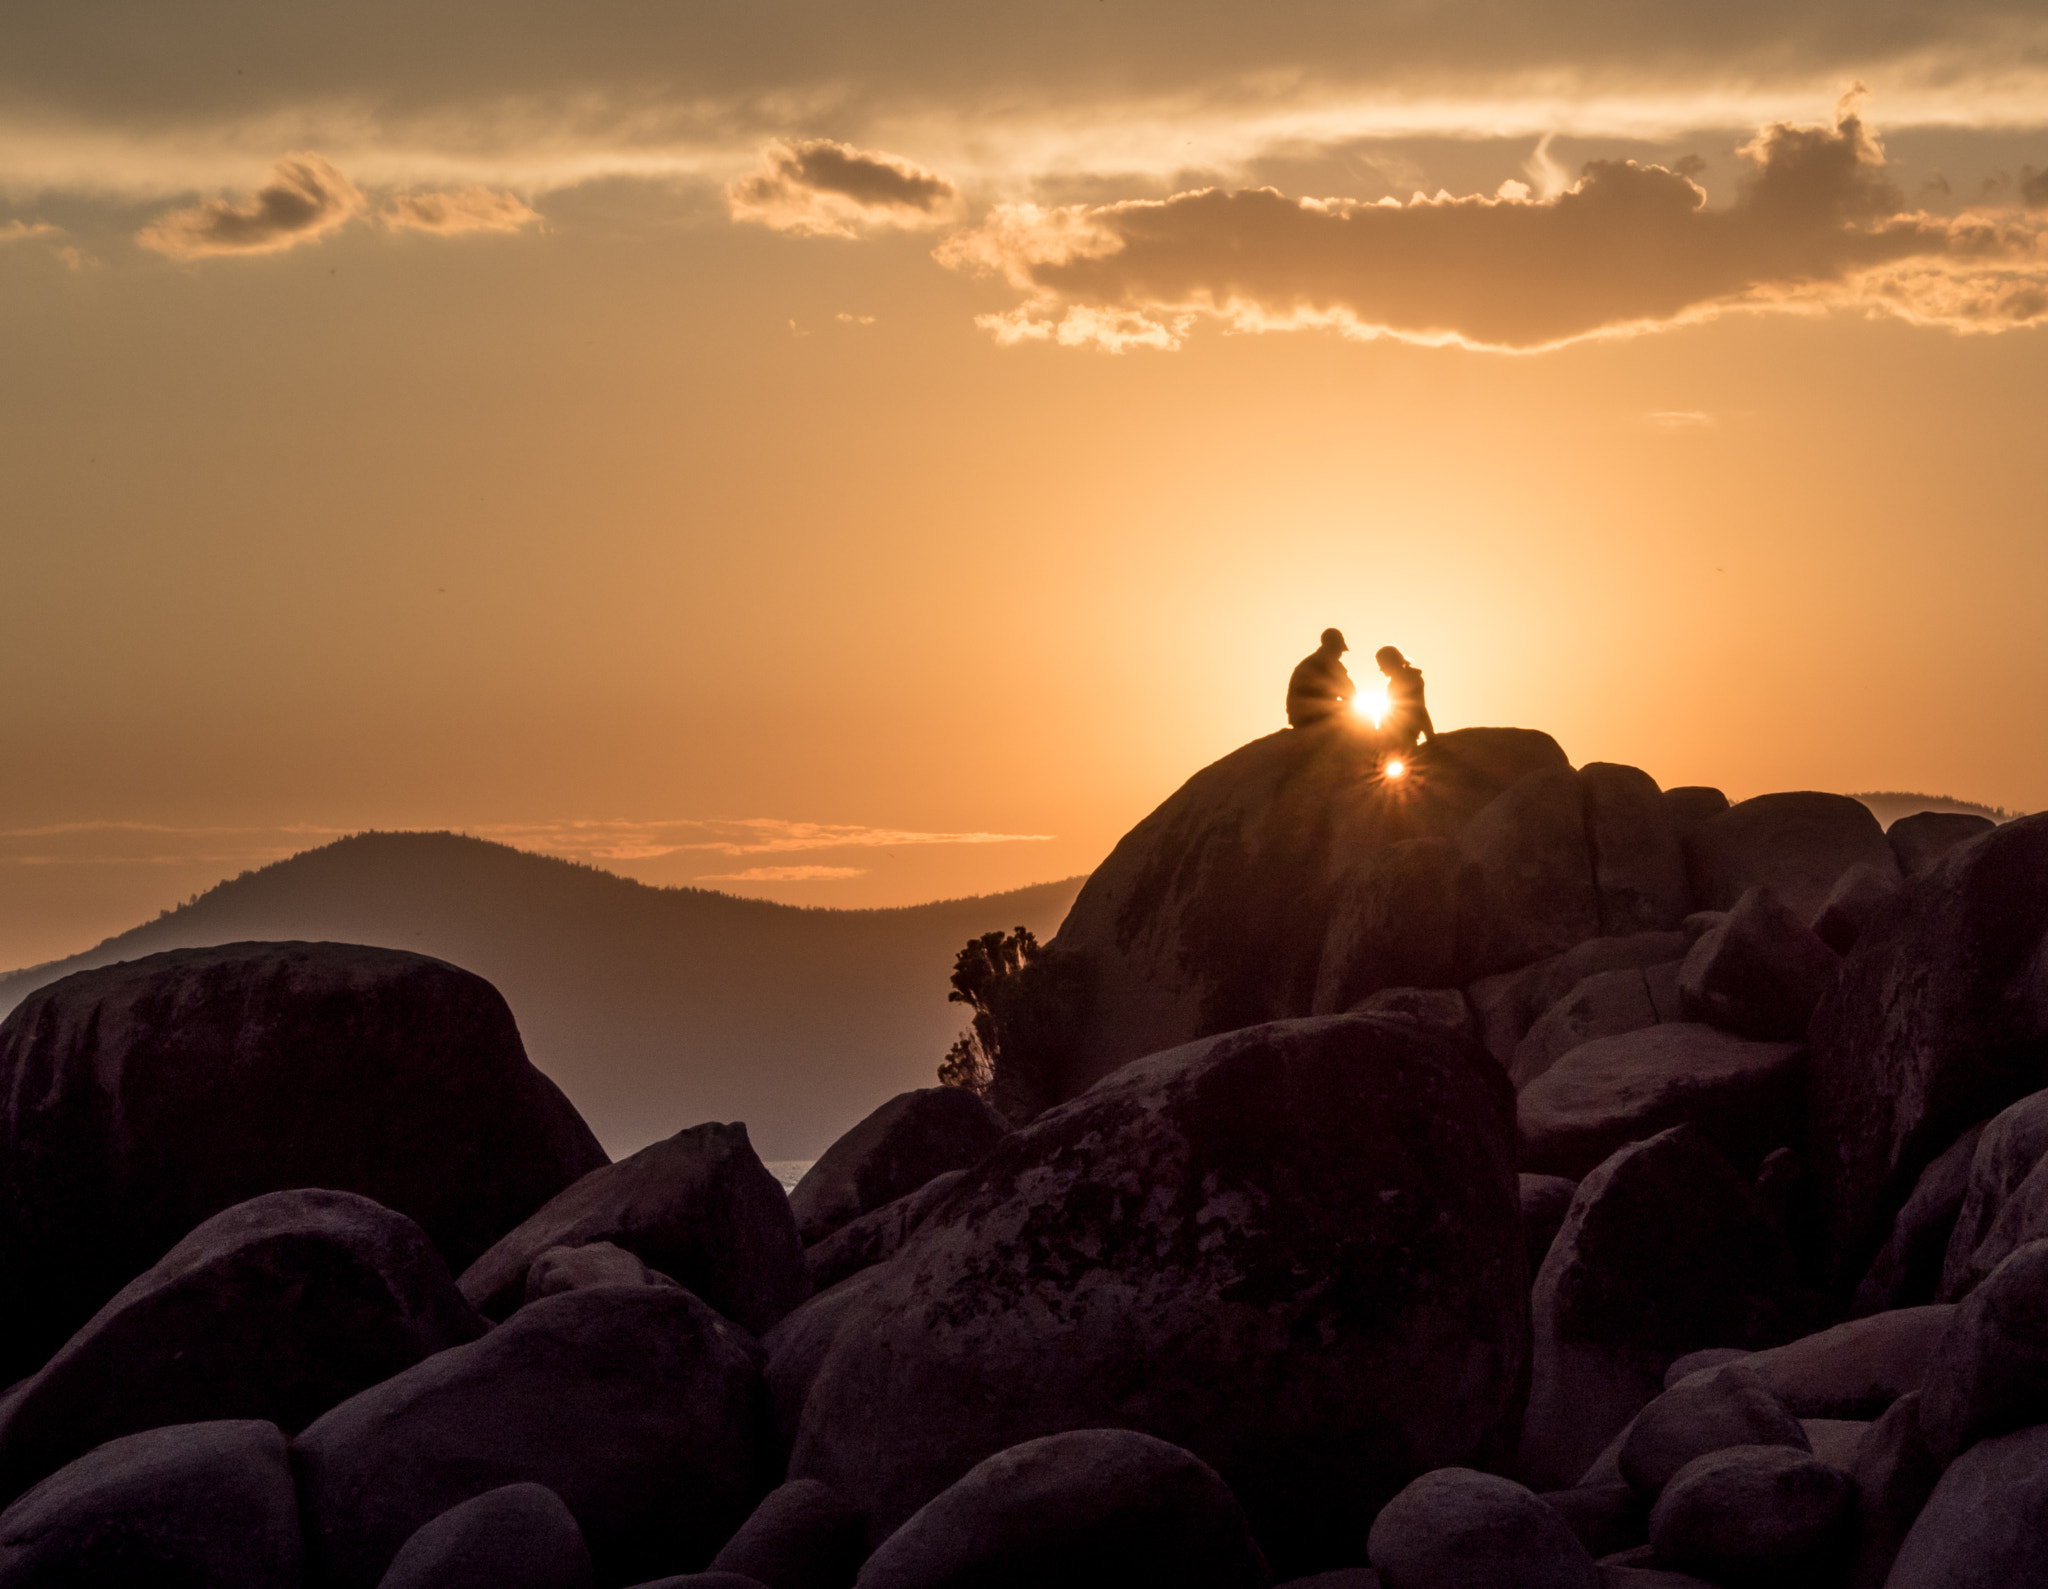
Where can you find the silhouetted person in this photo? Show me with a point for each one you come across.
(1407, 716)
(1319, 687)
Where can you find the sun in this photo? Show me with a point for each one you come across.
(1396, 768)
(1371, 704)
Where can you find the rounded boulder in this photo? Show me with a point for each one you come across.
(1755, 1516)
(1459, 1529)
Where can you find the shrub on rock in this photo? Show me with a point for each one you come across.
(1933, 1025)
(699, 1207)
(141, 1098)
(803, 1535)
(1294, 1250)
(891, 1153)
(1743, 1096)
(638, 1406)
(1759, 973)
(1798, 844)
(200, 1504)
(1091, 1508)
(1665, 1250)
(276, 1309)
(519, 1536)
(1755, 1516)
(1459, 1529)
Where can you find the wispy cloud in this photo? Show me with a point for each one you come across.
(26, 231)
(816, 187)
(1671, 419)
(784, 874)
(628, 840)
(451, 214)
(306, 198)
(1625, 248)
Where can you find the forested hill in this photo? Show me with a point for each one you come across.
(653, 1008)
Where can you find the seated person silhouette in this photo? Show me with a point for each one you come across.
(1320, 688)
(1407, 716)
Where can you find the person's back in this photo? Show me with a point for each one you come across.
(1407, 716)
(1319, 686)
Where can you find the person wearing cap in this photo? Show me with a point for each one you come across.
(1407, 716)
(1320, 688)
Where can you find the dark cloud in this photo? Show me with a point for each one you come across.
(817, 187)
(454, 213)
(1625, 247)
(306, 198)
(2034, 188)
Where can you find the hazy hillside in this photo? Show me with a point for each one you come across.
(1890, 805)
(654, 1008)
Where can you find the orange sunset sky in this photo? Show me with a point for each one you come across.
(858, 454)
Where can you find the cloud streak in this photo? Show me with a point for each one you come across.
(816, 187)
(452, 214)
(305, 199)
(785, 874)
(1625, 248)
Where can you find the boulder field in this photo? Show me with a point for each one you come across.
(1510, 1173)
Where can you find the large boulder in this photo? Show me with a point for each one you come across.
(1756, 1515)
(1606, 1004)
(1711, 1411)
(1507, 1004)
(1895, 1473)
(1294, 1250)
(519, 1536)
(1212, 913)
(1859, 902)
(1393, 923)
(276, 1309)
(1525, 876)
(1858, 1368)
(141, 1098)
(1638, 862)
(1743, 1096)
(1907, 1270)
(597, 1263)
(1920, 840)
(874, 1238)
(1797, 844)
(637, 1405)
(1092, 1508)
(1935, 1023)
(206, 1505)
(797, 1348)
(1459, 1529)
(1989, 1372)
(803, 1535)
(1981, 1527)
(2010, 1147)
(698, 1207)
(1759, 973)
(895, 1150)
(1665, 1250)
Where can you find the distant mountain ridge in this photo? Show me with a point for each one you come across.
(1888, 805)
(653, 1008)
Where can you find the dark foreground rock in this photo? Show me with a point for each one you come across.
(140, 1099)
(597, 1263)
(519, 1536)
(638, 1406)
(1981, 1527)
(1724, 1407)
(1989, 1373)
(1907, 1270)
(1458, 1529)
(1856, 1369)
(1937, 1023)
(1212, 913)
(874, 1237)
(803, 1535)
(1743, 1096)
(276, 1309)
(1666, 1250)
(1759, 973)
(1755, 1515)
(1895, 1473)
(207, 1505)
(890, 1154)
(699, 1207)
(2010, 1148)
(1293, 1250)
(1092, 1508)
(1797, 844)
(1920, 840)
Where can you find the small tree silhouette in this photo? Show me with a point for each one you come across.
(1027, 1001)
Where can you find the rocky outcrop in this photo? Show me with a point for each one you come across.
(1259, 1247)
(1665, 1250)
(1798, 845)
(138, 1100)
(1093, 1508)
(276, 1309)
(1937, 1023)
(699, 1207)
(203, 1503)
(1743, 1096)
(1213, 913)
(891, 1153)
(639, 1406)
(1393, 923)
